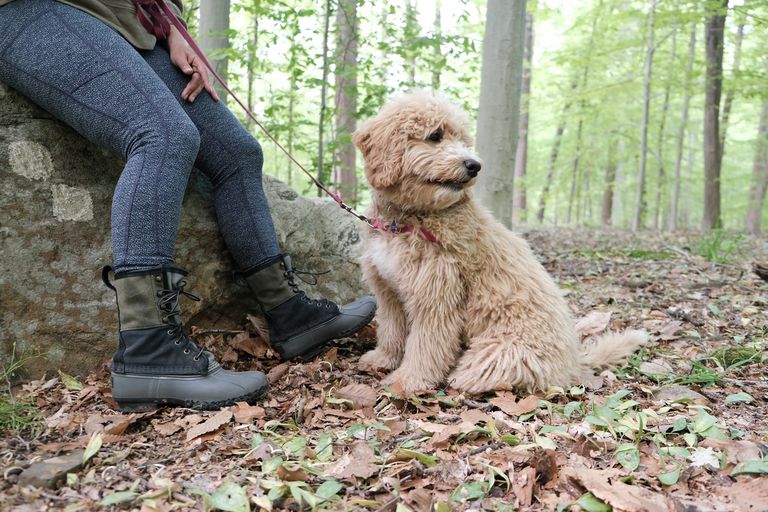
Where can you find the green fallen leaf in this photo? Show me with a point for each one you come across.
(570, 408)
(546, 443)
(738, 398)
(329, 489)
(405, 454)
(591, 503)
(230, 497)
(118, 497)
(70, 382)
(702, 422)
(324, 448)
(94, 445)
(628, 456)
(752, 467)
(670, 477)
(295, 445)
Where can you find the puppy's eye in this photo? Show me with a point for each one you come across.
(436, 136)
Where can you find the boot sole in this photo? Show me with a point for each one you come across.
(151, 404)
(323, 345)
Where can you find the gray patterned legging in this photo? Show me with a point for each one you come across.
(129, 101)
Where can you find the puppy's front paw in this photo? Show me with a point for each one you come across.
(409, 381)
(378, 360)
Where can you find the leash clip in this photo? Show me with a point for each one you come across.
(393, 226)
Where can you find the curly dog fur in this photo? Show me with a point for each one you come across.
(477, 310)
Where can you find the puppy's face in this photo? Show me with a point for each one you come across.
(417, 153)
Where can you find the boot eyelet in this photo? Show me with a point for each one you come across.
(159, 293)
(158, 278)
(170, 332)
(177, 342)
(195, 358)
(186, 351)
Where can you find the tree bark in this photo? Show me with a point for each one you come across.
(499, 112)
(346, 97)
(251, 67)
(661, 185)
(606, 213)
(411, 34)
(438, 55)
(728, 103)
(673, 214)
(759, 182)
(713, 89)
(553, 158)
(519, 203)
(323, 100)
(638, 219)
(214, 37)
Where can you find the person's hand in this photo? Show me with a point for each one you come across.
(190, 64)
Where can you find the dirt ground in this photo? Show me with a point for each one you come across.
(684, 426)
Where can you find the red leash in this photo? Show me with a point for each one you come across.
(157, 18)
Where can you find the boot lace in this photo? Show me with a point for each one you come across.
(168, 304)
(291, 274)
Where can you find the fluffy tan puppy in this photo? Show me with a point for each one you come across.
(472, 306)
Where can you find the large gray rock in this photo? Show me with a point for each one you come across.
(54, 239)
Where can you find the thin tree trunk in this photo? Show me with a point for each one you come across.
(498, 115)
(346, 96)
(411, 33)
(713, 88)
(681, 132)
(584, 81)
(438, 56)
(661, 185)
(251, 67)
(214, 37)
(606, 213)
(323, 99)
(728, 102)
(638, 220)
(553, 158)
(521, 159)
(759, 183)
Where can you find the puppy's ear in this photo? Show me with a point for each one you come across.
(382, 143)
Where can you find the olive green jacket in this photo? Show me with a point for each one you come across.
(120, 15)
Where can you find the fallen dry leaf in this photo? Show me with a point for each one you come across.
(361, 395)
(359, 463)
(605, 484)
(244, 413)
(253, 346)
(277, 373)
(213, 423)
(594, 323)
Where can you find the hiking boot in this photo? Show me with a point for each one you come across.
(300, 327)
(156, 363)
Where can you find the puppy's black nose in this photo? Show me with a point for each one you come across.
(473, 167)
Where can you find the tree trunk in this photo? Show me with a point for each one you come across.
(499, 112)
(251, 67)
(728, 103)
(606, 213)
(214, 37)
(346, 97)
(638, 220)
(438, 55)
(681, 132)
(574, 172)
(409, 37)
(519, 203)
(553, 158)
(662, 175)
(759, 176)
(713, 89)
(323, 100)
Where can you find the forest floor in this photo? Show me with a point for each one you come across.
(684, 426)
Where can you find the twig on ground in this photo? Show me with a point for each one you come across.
(481, 449)
(478, 405)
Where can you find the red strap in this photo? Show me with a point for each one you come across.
(394, 228)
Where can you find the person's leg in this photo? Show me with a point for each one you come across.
(232, 159)
(88, 76)
(85, 74)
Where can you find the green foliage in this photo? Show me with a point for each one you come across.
(18, 415)
(719, 246)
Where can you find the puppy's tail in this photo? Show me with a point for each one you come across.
(613, 348)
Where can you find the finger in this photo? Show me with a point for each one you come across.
(192, 88)
(207, 84)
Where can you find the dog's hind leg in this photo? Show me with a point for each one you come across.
(496, 362)
(392, 328)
